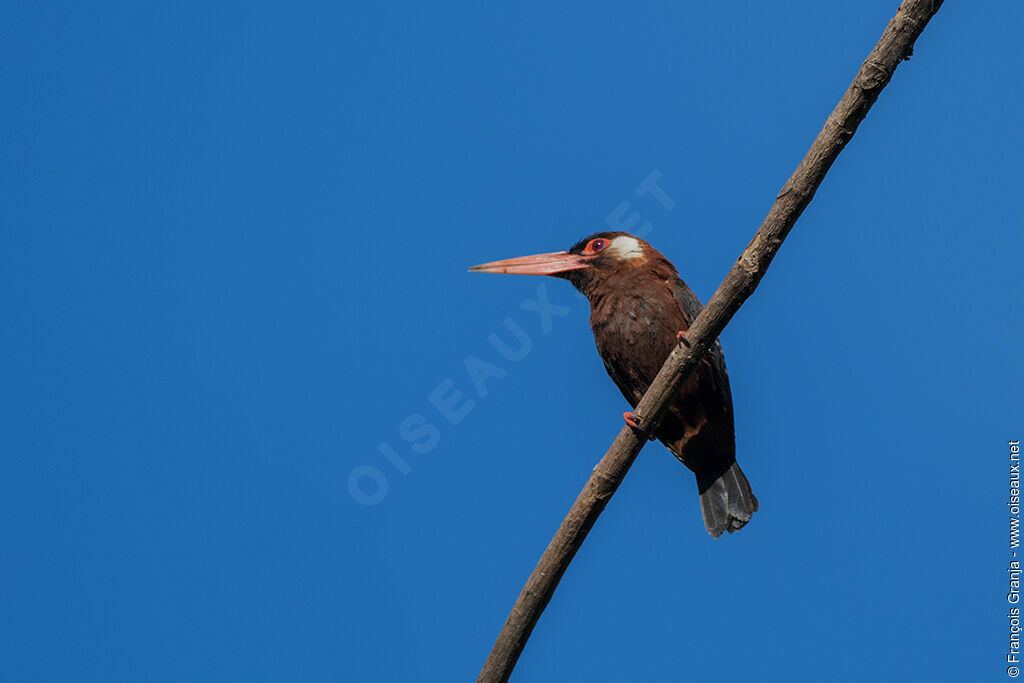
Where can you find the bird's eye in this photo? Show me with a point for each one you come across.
(597, 245)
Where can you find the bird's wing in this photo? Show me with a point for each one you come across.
(712, 366)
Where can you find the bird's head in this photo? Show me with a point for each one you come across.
(589, 263)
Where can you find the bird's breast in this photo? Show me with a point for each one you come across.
(634, 335)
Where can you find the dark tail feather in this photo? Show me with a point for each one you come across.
(726, 500)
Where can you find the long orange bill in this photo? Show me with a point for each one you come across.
(538, 264)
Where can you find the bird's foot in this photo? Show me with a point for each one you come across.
(633, 420)
(681, 338)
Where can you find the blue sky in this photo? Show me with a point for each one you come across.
(233, 261)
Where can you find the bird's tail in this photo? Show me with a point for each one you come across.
(726, 500)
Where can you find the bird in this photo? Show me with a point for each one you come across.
(640, 311)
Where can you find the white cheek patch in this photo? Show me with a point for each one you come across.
(625, 248)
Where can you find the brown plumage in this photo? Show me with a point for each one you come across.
(637, 306)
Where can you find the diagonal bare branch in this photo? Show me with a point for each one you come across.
(895, 45)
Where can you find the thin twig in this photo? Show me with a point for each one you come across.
(895, 45)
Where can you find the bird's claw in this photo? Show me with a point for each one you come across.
(681, 338)
(633, 421)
